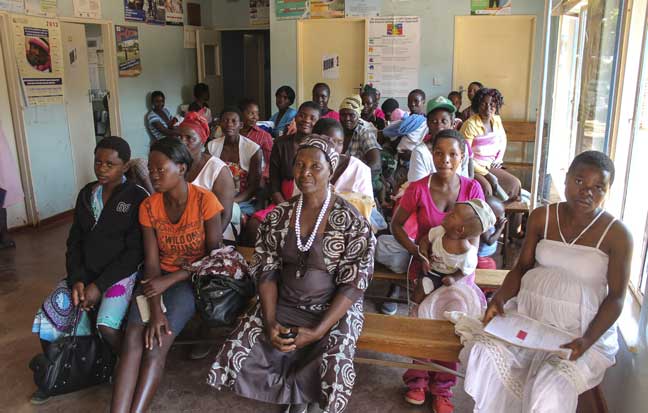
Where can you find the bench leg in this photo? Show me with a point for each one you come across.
(424, 365)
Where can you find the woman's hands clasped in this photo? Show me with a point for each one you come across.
(304, 336)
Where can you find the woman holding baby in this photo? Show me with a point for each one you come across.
(431, 199)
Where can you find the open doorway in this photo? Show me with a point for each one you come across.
(246, 68)
(99, 94)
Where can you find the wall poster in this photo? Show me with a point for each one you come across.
(37, 45)
(128, 51)
(87, 8)
(393, 54)
(134, 10)
(362, 8)
(326, 9)
(43, 8)
(292, 9)
(174, 13)
(156, 12)
(259, 12)
(12, 6)
(482, 7)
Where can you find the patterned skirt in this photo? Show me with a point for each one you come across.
(322, 372)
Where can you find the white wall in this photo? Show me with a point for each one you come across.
(166, 66)
(437, 35)
(232, 14)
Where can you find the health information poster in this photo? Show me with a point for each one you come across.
(394, 54)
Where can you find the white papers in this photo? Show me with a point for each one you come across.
(43, 8)
(394, 54)
(87, 8)
(523, 331)
(362, 8)
(13, 6)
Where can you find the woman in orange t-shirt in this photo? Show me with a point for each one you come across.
(180, 225)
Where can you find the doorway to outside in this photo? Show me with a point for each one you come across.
(246, 68)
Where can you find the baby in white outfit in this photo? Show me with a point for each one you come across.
(451, 249)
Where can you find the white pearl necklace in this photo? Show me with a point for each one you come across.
(320, 217)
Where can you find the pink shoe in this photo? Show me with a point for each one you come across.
(442, 405)
(415, 397)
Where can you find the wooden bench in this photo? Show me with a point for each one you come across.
(520, 136)
(428, 339)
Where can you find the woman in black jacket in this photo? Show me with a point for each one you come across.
(104, 250)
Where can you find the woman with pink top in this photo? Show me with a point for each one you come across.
(431, 198)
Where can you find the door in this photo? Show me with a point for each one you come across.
(16, 214)
(210, 69)
(502, 58)
(337, 39)
(78, 103)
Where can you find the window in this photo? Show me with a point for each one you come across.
(583, 86)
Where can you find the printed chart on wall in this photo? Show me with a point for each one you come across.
(12, 6)
(128, 51)
(37, 44)
(393, 54)
(174, 13)
(292, 9)
(43, 8)
(362, 8)
(326, 9)
(87, 8)
(259, 12)
(490, 6)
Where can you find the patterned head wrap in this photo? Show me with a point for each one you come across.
(323, 143)
(196, 122)
(353, 103)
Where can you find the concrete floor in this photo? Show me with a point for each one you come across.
(28, 273)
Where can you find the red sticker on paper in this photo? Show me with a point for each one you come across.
(521, 334)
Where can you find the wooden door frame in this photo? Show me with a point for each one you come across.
(300, 54)
(200, 65)
(18, 105)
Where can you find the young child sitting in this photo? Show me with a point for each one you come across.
(448, 285)
(488, 240)
(104, 250)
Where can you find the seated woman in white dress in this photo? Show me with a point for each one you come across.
(572, 274)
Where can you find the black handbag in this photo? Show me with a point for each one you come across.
(221, 299)
(73, 363)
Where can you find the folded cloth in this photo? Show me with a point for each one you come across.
(225, 261)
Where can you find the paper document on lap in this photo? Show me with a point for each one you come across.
(526, 332)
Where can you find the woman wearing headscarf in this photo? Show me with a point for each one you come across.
(360, 137)
(312, 263)
(207, 171)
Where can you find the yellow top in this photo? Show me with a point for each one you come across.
(472, 128)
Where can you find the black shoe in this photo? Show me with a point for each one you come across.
(390, 308)
(39, 397)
